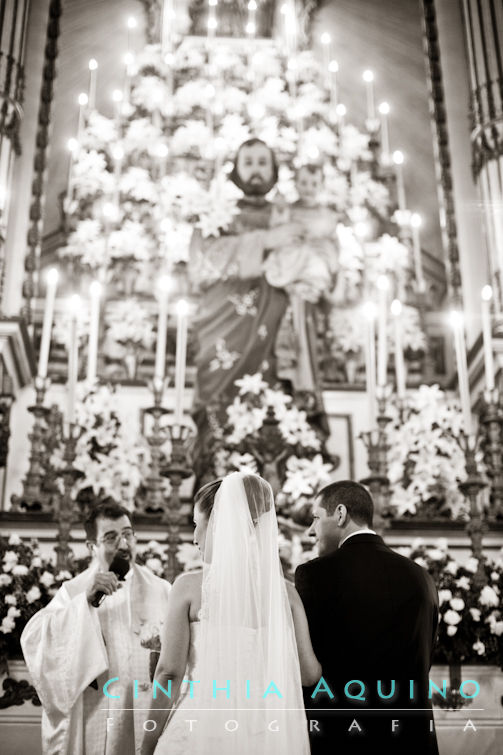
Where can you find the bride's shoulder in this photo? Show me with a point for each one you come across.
(291, 591)
(188, 581)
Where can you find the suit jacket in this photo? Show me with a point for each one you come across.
(373, 616)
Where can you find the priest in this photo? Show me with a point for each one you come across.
(74, 646)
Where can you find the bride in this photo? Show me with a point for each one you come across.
(235, 647)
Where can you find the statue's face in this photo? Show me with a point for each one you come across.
(255, 170)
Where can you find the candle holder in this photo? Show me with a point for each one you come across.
(491, 418)
(65, 502)
(376, 443)
(176, 470)
(154, 499)
(33, 497)
(471, 488)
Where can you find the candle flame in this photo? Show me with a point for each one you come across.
(398, 157)
(52, 276)
(396, 307)
(333, 66)
(72, 144)
(341, 109)
(83, 99)
(384, 108)
(325, 38)
(95, 289)
(456, 319)
(487, 293)
(368, 76)
(118, 152)
(182, 308)
(416, 220)
(93, 64)
(117, 95)
(132, 23)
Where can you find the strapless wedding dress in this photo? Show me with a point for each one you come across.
(273, 731)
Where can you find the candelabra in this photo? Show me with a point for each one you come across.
(492, 419)
(65, 505)
(154, 499)
(471, 488)
(176, 470)
(34, 497)
(376, 443)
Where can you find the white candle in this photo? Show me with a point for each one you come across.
(487, 294)
(83, 101)
(370, 360)
(400, 187)
(94, 322)
(45, 342)
(73, 357)
(325, 40)
(368, 77)
(462, 367)
(341, 112)
(382, 287)
(131, 25)
(168, 17)
(73, 146)
(396, 311)
(181, 356)
(93, 68)
(162, 327)
(415, 221)
(385, 152)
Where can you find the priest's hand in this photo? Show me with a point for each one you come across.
(105, 582)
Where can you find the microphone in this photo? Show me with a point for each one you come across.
(119, 566)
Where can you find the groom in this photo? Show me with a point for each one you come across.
(372, 616)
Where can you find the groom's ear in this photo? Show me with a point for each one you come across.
(341, 514)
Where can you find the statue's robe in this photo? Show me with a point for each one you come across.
(239, 312)
(71, 648)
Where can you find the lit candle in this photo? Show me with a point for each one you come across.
(325, 40)
(369, 312)
(181, 355)
(94, 321)
(341, 113)
(382, 357)
(251, 27)
(45, 342)
(415, 221)
(83, 101)
(93, 68)
(131, 24)
(396, 311)
(385, 152)
(73, 356)
(162, 327)
(333, 68)
(462, 367)
(368, 77)
(487, 295)
(212, 18)
(400, 188)
(168, 16)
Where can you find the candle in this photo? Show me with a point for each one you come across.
(382, 287)
(415, 221)
(368, 77)
(73, 356)
(45, 342)
(168, 16)
(131, 24)
(162, 327)
(181, 352)
(462, 367)
(118, 156)
(369, 312)
(396, 311)
(325, 40)
(341, 112)
(487, 294)
(384, 112)
(333, 68)
(94, 321)
(212, 19)
(93, 67)
(400, 188)
(251, 27)
(83, 101)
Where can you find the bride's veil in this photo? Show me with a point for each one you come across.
(247, 641)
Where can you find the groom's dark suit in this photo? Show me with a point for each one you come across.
(372, 616)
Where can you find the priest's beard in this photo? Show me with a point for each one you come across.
(255, 186)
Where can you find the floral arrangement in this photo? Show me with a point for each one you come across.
(110, 455)
(426, 463)
(471, 617)
(296, 467)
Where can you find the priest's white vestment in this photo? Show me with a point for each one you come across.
(69, 645)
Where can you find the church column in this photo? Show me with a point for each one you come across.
(27, 185)
(484, 38)
(461, 215)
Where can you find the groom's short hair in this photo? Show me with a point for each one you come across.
(353, 496)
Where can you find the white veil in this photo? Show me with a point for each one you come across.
(247, 638)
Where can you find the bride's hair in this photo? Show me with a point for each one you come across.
(258, 494)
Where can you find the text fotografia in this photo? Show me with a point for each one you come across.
(354, 689)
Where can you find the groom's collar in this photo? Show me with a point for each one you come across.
(363, 535)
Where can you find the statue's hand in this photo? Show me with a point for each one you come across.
(284, 235)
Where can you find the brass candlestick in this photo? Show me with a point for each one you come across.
(491, 419)
(471, 488)
(176, 470)
(33, 497)
(66, 507)
(154, 500)
(376, 443)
